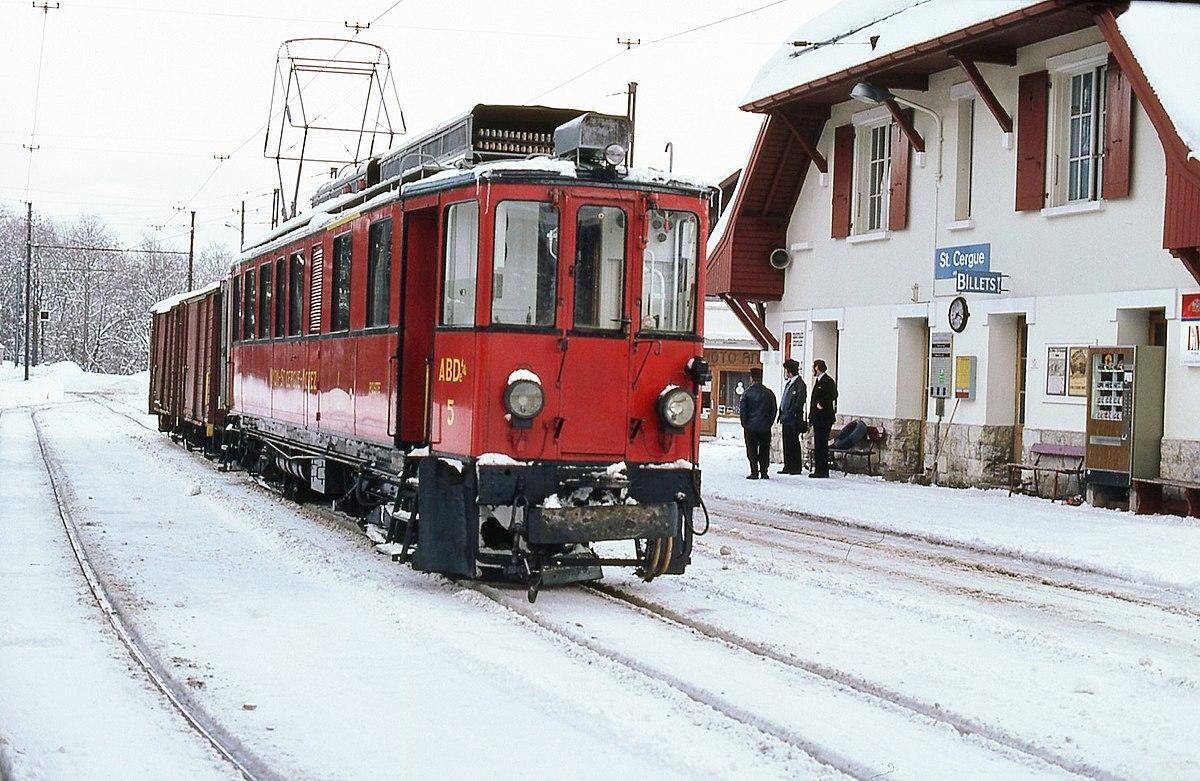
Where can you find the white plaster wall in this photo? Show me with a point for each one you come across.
(1069, 275)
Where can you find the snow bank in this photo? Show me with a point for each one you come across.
(1165, 38)
(842, 34)
(50, 382)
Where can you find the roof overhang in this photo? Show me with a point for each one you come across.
(911, 67)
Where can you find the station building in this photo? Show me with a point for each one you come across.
(1015, 182)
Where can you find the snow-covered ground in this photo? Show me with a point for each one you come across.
(848, 627)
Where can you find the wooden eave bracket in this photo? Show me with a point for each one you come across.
(753, 320)
(809, 148)
(1190, 256)
(906, 125)
(985, 91)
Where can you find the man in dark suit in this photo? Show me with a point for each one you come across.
(758, 410)
(791, 415)
(822, 410)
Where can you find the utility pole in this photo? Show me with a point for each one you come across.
(631, 114)
(28, 278)
(242, 229)
(191, 249)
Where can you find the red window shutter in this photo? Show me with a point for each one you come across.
(843, 179)
(901, 152)
(1118, 133)
(1033, 99)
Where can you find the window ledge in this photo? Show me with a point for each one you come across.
(864, 238)
(1082, 207)
(961, 225)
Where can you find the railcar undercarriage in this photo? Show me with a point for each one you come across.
(492, 518)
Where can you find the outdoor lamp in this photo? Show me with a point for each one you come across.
(865, 92)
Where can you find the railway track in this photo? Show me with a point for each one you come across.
(965, 725)
(848, 535)
(155, 671)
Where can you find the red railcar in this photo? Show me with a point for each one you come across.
(186, 364)
(498, 363)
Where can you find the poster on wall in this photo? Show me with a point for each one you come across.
(1077, 372)
(1056, 371)
(1189, 318)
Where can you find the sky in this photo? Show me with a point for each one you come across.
(136, 99)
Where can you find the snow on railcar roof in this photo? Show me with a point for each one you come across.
(898, 23)
(1165, 39)
(170, 302)
(328, 211)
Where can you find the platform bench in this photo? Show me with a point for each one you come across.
(1146, 496)
(867, 449)
(1073, 454)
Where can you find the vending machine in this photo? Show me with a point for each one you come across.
(1125, 414)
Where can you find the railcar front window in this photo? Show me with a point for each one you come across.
(524, 264)
(340, 302)
(379, 272)
(248, 318)
(669, 272)
(461, 262)
(296, 297)
(600, 268)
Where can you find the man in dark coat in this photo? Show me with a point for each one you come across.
(758, 410)
(822, 410)
(791, 415)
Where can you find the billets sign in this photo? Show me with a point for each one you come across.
(1189, 317)
(989, 282)
(948, 262)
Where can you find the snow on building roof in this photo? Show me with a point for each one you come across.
(1165, 39)
(723, 329)
(842, 36)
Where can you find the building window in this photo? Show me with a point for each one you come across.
(964, 169)
(525, 264)
(339, 302)
(265, 291)
(460, 264)
(871, 192)
(600, 268)
(1080, 134)
(296, 293)
(669, 272)
(379, 272)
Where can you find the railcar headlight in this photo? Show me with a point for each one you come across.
(614, 154)
(524, 398)
(676, 406)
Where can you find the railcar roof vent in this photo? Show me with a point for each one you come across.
(594, 138)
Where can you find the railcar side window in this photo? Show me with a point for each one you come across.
(340, 293)
(600, 268)
(669, 272)
(264, 301)
(235, 311)
(248, 310)
(379, 272)
(281, 281)
(461, 263)
(296, 293)
(525, 263)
